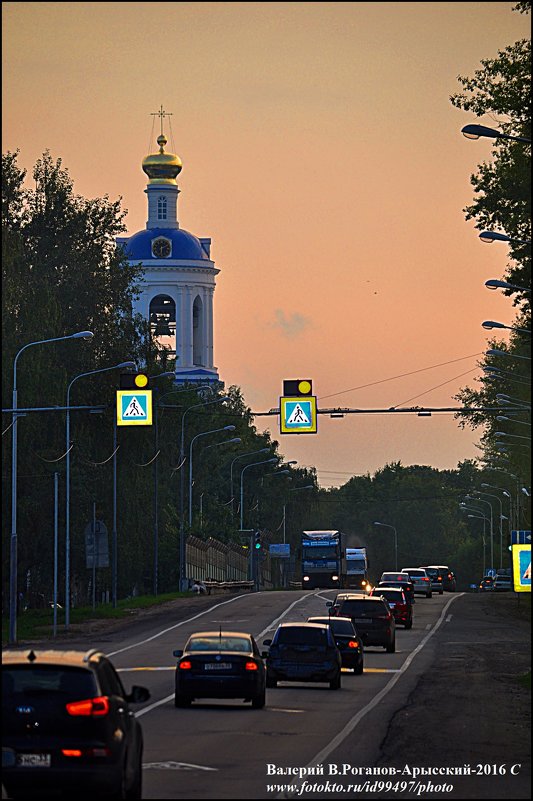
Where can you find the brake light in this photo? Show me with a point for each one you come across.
(250, 666)
(353, 644)
(424, 578)
(88, 752)
(91, 707)
(185, 665)
(384, 617)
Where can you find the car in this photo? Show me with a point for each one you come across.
(398, 580)
(220, 664)
(436, 579)
(303, 652)
(486, 584)
(372, 618)
(402, 608)
(347, 641)
(420, 579)
(67, 725)
(503, 583)
(448, 577)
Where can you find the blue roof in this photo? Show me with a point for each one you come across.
(184, 245)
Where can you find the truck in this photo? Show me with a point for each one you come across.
(355, 574)
(322, 558)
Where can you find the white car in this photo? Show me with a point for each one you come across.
(420, 579)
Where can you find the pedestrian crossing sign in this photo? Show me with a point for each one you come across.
(134, 407)
(298, 415)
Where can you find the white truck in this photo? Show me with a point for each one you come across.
(356, 572)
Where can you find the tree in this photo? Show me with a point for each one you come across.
(502, 187)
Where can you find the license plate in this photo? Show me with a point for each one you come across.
(392, 605)
(217, 665)
(361, 619)
(34, 760)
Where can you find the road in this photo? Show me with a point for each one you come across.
(223, 750)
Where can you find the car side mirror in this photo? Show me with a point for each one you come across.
(179, 652)
(267, 642)
(329, 604)
(138, 695)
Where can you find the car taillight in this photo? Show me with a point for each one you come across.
(250, 666)
(185, 665)
(87, 752)
(424, 578)
(93, 707)
(384, 617)
(353, 644)
(439, 578)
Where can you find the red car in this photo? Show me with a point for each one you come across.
(400, 606)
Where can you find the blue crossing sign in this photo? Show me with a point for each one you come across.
(520, 537)
(134, 407)
(298, 415)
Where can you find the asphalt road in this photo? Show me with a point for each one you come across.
(448, 697)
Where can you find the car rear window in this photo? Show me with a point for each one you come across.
(45, 679)
(295, 635)
(415, 572)
(390, 595)
(432, 571)
(395, 577)
(219, 644)
(362, 608)
(337, 625)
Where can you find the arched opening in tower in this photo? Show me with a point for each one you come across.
(198, 341)
(163, 322)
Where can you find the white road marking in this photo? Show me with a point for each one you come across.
(449, 618)
(175, 766)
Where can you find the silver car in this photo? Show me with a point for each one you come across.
(420, 579)
(436, 579)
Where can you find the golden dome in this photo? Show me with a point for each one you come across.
(162, 168)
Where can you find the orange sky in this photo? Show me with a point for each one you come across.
(322, 155)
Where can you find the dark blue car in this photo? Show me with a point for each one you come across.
(303, 652)
(347, 641)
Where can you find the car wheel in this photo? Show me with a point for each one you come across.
(258, 701)
(359, 669)
(271, 683)
(441, 592)
(335, 684)
(409, 624)
(429, 595)
(391, 647)
(182, 700)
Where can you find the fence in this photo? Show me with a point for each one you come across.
(213, 561)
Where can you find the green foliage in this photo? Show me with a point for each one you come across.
(502, 202)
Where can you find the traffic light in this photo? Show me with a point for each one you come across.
(298, 387)
(257, 541)
(134, 381)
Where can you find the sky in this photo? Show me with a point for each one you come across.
(323, 157)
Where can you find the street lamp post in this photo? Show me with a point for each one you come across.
(490, 324)
(494, 236)
(121, 366)
(241, 456)
(490, 495)
(507, 495)
(13, 552)
(386, 525)
(480, 500)
(474, 131)
(482, 517)
(183, 579)
(246, 467)
(193, 440)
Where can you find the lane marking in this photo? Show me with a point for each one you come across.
(449, 618)
(381, 670)
(132, 669)
(322, 755)
(177, 625)
(175, 766)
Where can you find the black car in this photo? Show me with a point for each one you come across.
(402, 608)
(67, 726)
(303, 652)
(448, 577)
(486, 584)
(372, 618)
(220, 664)
(347, 641)
(398, 580)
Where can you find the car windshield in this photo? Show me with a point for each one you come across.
(217, 643)
(293, 635)
(44, 679)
